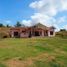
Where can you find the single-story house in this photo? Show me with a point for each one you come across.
(33, 31)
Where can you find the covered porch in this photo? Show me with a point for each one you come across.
(39, 32)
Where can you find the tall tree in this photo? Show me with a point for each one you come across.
(18, 24)
(1, 25)
(8, 25)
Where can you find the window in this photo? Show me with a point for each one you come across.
(24, 32)
(16, 34)
(51, 32)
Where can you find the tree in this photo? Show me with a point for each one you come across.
(62, 30)
(1, 25)
(62, 33)
(8, 25)
(18, 24)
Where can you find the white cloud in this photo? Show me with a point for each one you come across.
(65, 27)
(64, 4)
(57, 27)
(26, 22)
(49, 7)
(62, 19)
(46, 10)
(39, 18)
(7, 21)
(44, 19)
(37, 4)
(56, 4)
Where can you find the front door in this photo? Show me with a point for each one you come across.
(37, 33)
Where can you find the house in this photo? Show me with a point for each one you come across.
(33, 31)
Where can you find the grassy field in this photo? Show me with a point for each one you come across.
(33, 52)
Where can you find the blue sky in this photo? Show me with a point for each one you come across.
(15, 10)
(29, 12)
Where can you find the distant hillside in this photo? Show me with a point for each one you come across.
(62, 34)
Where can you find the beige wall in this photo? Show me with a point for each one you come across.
(50, 34)
(24, 34)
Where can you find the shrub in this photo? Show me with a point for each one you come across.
(4, 35)
(62, 34)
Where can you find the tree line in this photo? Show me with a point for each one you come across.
(18, 24)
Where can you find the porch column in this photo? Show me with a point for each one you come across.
(42, 33)
(32, 33)
(49, 33)
(12, 34)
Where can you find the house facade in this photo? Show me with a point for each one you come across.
(33, 31)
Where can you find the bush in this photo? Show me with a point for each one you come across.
(4, 35)
(62, 34)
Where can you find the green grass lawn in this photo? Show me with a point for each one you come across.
(44, 52)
